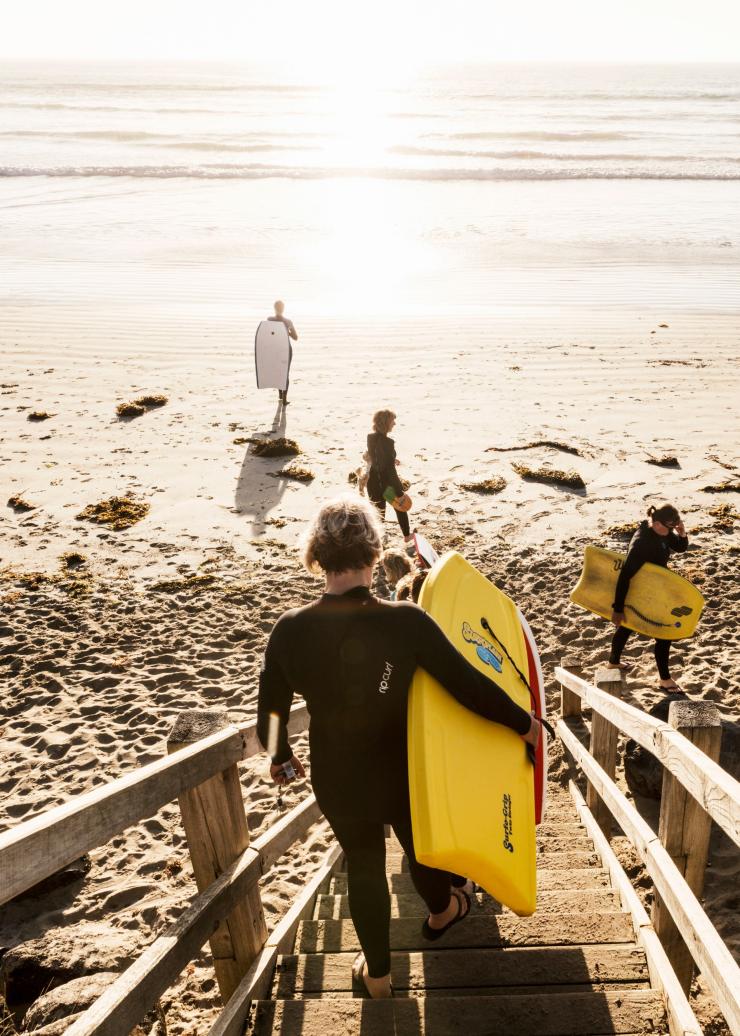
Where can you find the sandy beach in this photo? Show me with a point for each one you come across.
(173, 613)
(529, 268)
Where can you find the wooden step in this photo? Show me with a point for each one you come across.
(484, 930)
(579, 878)
(564, 840)
(560, 860)
(623, 1011)
(471, 972)
(556, 901)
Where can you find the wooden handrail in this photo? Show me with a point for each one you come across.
(682, 1020)
(42, 845)
(713, 788)
(712, 957)
(256, 983)
(125, 1001)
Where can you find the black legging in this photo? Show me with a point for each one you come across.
(662, 649)
(363, 842)
(402, 516)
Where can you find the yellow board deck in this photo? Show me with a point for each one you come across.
(659, 603)
(471, 782)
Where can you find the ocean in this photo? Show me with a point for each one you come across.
(463, 190)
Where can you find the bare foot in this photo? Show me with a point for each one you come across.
(457, 909)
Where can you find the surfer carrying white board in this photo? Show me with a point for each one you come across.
(281, 318)
(655, 540)
(383, 481)
(352, 657)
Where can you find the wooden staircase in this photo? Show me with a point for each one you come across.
(572, 968)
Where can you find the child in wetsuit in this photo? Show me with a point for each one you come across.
(383, 474)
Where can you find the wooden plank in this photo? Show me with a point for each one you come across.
(489, 930)
(217, 834)
(570, 703)
(126, 1001)
(720, 972)
(555, 902)
(42, 845)
(685, 828)
(256, 983)
(712, 787)
(583, 878)
(681, 1019)
(565, 860)
(603, 748)
(325, 973)
(562, 1014)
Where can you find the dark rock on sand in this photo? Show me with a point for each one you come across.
(73, 872)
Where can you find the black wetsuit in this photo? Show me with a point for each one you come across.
(383, 473)
(283, 393)
(646, 546)
(352, 658)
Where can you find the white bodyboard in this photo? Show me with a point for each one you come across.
(272, 355)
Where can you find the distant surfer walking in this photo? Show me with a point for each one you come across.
(383, 476)
(281, 318)
(655, 540)
(352, 657)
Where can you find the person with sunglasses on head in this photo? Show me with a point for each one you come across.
(654, 541)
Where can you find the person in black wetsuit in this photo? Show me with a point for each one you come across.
(382, 474)
(279, 316)
(352, 658)
(654, 542)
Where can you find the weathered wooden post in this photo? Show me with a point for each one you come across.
(684, 827)
(603, 746)
(216, 828)
(570, 703)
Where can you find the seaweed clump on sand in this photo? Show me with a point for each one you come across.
(487, 485)
(38, 415)
(20, 504)
(730, 486)
(569, 479)
(621, 531)
(666, 461)
(294, 472)
(193, 584)
(276, 448)
(563, 447)
(119, 512)
(724, 517)
(72, 559)
(137, 407)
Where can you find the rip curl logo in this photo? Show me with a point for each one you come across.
(484, 649)
(618, 562)
(383, 686)
(681, 611)
(508, 827)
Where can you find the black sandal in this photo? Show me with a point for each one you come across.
(463, 899)
(359, 986)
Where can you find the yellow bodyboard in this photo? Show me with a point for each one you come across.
(659, 603)
(470, 780)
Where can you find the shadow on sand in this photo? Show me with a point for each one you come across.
(256, 492)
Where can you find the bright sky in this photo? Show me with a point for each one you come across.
(390, 33)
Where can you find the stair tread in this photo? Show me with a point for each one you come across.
(579, 877)
(549, 901)
(469, 970)
(623, 1011)
(484, 930)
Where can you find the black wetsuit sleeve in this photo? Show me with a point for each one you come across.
(441, 659)
(383, 458)
(275, 698)
(633, 563)
(678, 543)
